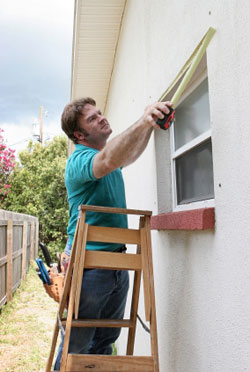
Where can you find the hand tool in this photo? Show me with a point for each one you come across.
(45, 253)
(43, 273)
(167, 120)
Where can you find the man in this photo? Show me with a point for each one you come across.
(93, 176)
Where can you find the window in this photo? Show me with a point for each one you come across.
(184, 165)
(191, 149)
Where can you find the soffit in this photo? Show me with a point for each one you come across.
(96, 33)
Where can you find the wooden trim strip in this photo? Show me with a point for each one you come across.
(189, 68)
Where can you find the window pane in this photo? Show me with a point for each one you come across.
(192, 116)
(194, 174)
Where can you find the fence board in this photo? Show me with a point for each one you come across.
(3, 239)
(24, 249)
(17, 236)
(16, 270)
(17, 249)
(9, 259)
(3, 289)
(36, 239)
(32, 240)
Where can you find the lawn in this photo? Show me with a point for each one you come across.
(26, 326)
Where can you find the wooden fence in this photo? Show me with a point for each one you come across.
(18, 246)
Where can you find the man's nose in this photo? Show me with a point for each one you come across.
(100, 118)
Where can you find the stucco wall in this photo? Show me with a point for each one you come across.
(202, 279)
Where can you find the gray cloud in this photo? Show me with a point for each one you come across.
(35, 66)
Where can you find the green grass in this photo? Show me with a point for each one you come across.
(26, 326)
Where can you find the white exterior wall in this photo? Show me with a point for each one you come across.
(202, 279)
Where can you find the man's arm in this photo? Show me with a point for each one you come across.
(125, 148)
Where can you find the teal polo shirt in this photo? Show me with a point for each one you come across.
(84, 188)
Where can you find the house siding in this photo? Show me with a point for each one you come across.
(202, 278)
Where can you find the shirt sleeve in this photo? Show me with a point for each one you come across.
(81, 166)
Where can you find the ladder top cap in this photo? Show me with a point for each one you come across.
(94, 208)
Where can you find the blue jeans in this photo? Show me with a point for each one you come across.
(103, 296)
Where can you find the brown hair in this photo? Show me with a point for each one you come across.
(71, 115)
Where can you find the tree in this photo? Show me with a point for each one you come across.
(7, 163)
(37, 188)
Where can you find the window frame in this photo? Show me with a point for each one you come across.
(185, 148)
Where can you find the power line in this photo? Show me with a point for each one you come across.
(23, 140)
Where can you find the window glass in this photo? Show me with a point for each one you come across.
(192, 116)
(194, 174)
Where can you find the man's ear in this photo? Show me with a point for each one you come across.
(79, 135)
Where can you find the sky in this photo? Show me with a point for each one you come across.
(35, 66)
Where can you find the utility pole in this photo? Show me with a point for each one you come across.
(41, 124)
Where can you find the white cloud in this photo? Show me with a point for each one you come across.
(17, 136)
(35, 65)
(46, 11)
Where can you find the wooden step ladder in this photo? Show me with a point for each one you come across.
(82, 259)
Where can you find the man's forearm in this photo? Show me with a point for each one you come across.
(129, 145)
(125, 148)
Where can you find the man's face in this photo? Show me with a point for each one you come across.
(95, 126)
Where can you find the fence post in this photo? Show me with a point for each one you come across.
(9, 259)
(37, 238)
(32, 241)
(25, 229)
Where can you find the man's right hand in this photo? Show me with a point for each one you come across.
(125, 148)
(155, 111)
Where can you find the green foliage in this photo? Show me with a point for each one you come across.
(37, 188)
(7, 163)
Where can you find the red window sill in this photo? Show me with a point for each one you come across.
(196, 219)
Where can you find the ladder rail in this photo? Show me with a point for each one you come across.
(139, 262)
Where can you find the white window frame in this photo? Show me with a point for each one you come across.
(180, 151)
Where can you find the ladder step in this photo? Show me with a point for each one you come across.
(107, 363)
(114, 210)
(141, 263)
(105, 323)
(113, 235)
(112, 261)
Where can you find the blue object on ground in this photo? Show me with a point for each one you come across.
(43, 274)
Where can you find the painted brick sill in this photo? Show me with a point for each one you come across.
(196, 219)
